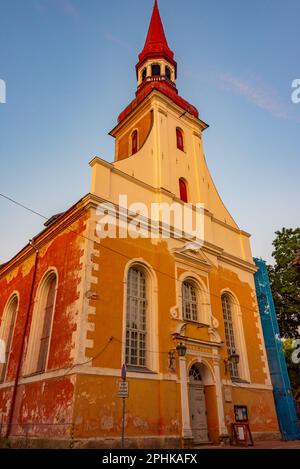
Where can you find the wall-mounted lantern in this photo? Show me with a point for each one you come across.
(181, 349)
(233, 358)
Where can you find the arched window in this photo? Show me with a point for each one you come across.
(7, 332)
(179, 136)
(189, 301)
(183, 190)
(144, 74)
(134, 142)
(168, 72)
(39, 339)
(195, 373)
(136, 318)
(47, 312)
(155, 70)
(229, 332)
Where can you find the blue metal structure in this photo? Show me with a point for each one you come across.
(285, 405)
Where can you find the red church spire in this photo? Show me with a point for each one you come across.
(156, 45)
(157, 69)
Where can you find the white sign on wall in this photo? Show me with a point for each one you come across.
(123, 389)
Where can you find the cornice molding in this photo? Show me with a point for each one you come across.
(236, 262)
(91, 201)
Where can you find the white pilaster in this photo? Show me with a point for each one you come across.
(185, 408)
(219, 398)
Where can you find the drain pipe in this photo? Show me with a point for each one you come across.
(18, 372)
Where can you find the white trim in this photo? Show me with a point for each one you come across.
(88, 283)
(213, 380)
(208, 380)
(265, 387)
(185, 404)
(86, 370)
(204, 305)
(86, 279)
(212, 377)
(219, 395)
(115, 372)
(203, 354)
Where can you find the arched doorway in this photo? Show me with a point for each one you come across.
(197, 405)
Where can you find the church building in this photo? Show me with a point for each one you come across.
(181, 314)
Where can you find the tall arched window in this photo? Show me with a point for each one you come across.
(229, 331)
(134, 142)
(39, 339)
(189, 301)
(47, 312)
(183, 190)
(195, 373)
(179, 137)
(7, 332)
(136, 318)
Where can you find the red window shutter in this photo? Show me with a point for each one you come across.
(183, 191)
(179, 139)
(134, 142)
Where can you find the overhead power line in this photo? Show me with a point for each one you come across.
(15, 202)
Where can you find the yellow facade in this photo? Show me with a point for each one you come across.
(154, 410)
(158, 407)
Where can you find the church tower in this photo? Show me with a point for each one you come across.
(198, 294)
(158, 139)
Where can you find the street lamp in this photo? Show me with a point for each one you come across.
(181, 349)
(233, 358)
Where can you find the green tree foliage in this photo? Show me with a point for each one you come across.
(285, 282)
(293, 368)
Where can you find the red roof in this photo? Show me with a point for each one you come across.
(166, 90)
(156, 45)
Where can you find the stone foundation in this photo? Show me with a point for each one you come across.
(266, 436)
(101, 443)
(154, 442)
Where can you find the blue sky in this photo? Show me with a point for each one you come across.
(69, 70)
